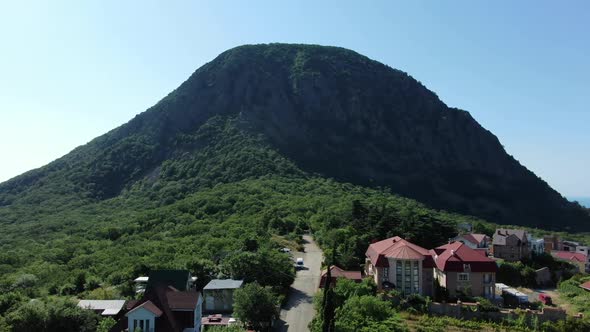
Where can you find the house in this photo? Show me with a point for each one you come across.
(543, 277)
(537, 245)
(400, 264)
(578, 259)
(337, 272)
(465, 227)
(511, 244)
(569, 246)
(163, 307)
(551, 243)
(105, 308)
(180, 279)
(474, 241)
(219, 295)
(463, 270)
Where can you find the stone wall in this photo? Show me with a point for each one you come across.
(469, 311)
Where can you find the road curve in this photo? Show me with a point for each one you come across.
(298, 311)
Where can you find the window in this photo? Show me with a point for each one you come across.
(408, 277)
(463, 276)
(466, 267)
(398, 274)
(415, 276)
(147, 326)
(385, 273)
(487, 278)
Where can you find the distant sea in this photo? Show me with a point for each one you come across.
(585, 201)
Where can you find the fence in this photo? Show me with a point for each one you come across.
(469, 311)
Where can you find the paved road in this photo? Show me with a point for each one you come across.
(298, 312)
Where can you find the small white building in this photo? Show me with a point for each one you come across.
(537, 246)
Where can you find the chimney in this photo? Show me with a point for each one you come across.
(452, 252)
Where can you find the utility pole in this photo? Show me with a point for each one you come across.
(328, 321)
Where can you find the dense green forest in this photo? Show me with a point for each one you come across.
(258, 146)
(327, 110)
(95, 250)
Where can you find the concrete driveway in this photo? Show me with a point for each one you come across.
(299, 311)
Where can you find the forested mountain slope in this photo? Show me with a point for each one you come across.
(321, 110)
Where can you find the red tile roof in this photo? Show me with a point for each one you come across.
(570, 256)
(586, 285)
(454, 256)
(337, 272)
(474, 238)
(396, 248)
(149, 306)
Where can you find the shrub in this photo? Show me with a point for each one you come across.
(486, 305)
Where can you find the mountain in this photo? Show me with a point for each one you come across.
(296, 111)
(584, 201)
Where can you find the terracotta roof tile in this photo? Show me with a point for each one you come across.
(455, 255)
(337, 272)
(149, 306)
(396, 248)
(570, 256)
(586, 285)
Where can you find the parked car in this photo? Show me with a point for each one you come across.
(299, 263)
(287, 250)
(545, 299)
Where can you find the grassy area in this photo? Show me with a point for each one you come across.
(571, 293)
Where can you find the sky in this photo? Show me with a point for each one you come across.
(73, 70)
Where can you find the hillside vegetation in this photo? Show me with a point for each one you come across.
(263, 143)
(326, 110)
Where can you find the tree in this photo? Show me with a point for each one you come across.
(203, 269)
(55, 315)
(4, 325)
(26, 283)
(31, 316)
(266, 267)
(509, 274)
(481, 228)
(105, 324)
(255, 306)
(346, 288)
(79, 282)
(367, 314)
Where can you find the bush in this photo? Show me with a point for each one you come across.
(367, 314)
(55, 315)
(415, 303)
(485, 305)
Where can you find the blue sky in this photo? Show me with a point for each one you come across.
(72, 70)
